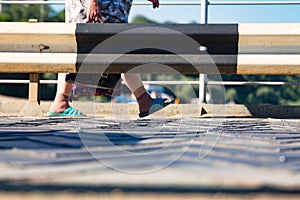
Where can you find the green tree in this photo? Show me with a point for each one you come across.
(274, 95)
(22, 13)
(140, 19)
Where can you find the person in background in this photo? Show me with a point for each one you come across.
(103, 11)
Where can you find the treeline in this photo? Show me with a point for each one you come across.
(275, 95)
(22, 13)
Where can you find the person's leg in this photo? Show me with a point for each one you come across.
(63, 93)
(134, 83)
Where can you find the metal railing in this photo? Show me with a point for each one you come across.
(203, 6)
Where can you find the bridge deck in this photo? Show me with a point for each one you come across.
(195, 155)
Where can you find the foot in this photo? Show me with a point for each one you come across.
(60, 104)
(69, 112)
(156, 105)
(145, 102)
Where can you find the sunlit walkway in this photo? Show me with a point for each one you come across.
(202, 156)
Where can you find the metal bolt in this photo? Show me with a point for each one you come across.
(202, 48)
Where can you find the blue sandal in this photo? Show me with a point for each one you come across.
(69, 112)
(157, 105)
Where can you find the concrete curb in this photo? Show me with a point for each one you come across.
(9, 108)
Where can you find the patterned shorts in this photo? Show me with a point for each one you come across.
(113, 11)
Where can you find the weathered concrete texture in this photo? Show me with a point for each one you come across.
(194, 155)
(120, 195)
(12, 108)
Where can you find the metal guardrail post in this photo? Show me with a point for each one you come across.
(202, 90)
(32, 107)
(202, 77)
(34, 88)
(204, 9)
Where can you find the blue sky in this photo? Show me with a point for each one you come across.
(221, 14)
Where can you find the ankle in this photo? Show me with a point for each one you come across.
(144, 102)
(144, 97)
(139, 92)
(61, 102)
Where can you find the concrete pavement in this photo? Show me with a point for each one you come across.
(233, 156)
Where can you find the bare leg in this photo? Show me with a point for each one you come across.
(134, 83)
(63, 93)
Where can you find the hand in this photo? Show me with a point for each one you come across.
(93, 12)
(155, 3)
